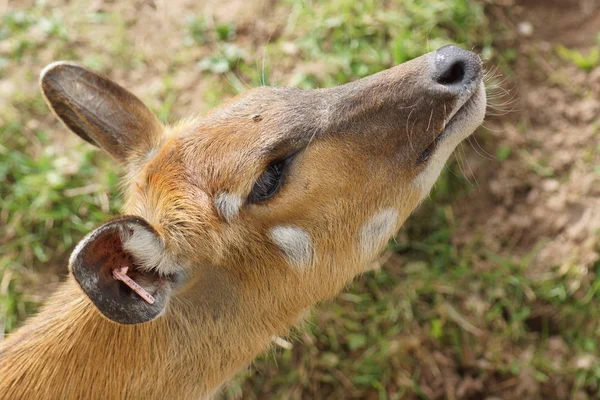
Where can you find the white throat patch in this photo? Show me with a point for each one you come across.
(461, 129)
(295, 243)
(377, 231)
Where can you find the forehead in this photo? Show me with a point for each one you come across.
(227, 148)
(245, 134)
(285, 113)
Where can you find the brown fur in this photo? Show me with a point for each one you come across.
(358, 145)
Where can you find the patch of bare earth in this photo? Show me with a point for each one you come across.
(543, 200)
(547, 192)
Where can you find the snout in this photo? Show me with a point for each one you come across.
(413, 107)
(455, 68)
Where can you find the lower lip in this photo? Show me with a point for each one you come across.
(444, 133)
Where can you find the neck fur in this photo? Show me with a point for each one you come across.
(201, 342)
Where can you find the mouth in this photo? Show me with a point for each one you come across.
(452, 126)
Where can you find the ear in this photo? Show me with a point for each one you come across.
(125, 242)
(100, 111)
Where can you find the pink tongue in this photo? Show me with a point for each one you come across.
(121, 275)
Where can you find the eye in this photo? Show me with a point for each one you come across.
(269, 182)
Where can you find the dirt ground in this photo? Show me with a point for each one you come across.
(549, 192)
(542, 203)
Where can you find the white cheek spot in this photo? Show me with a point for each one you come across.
(228, 205)
(295, 243)
(147, 250)
(376, 232)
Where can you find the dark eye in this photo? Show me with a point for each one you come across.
(269, 182)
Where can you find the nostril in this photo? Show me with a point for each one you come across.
(453, 67)
(454, 73)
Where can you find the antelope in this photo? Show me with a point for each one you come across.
(233, 224)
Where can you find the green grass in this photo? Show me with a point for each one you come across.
(586, 62)
(437, 311)
(49, 200)
(344, 39)
(51, 195)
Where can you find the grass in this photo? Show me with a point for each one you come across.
(586, 62)
(49, 200)
(437, 313)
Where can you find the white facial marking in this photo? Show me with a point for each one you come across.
(147, 250)
(228, 205)
(377, 231)
(460, 129)
(295, 243)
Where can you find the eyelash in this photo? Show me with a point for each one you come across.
(269, 183)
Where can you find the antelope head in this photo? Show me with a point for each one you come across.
(271, 202)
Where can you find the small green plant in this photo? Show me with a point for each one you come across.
(226, 59)
(226, 32)
(586, 62)
(503, 153)
(196, 31)
(15, 22)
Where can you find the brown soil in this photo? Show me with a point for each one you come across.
(573, 23)
(544, 199)
(548, 189)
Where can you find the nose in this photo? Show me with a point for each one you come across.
(455, 67)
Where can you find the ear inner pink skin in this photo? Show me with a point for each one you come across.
(121, 275)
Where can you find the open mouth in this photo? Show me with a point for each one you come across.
(448, 129)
